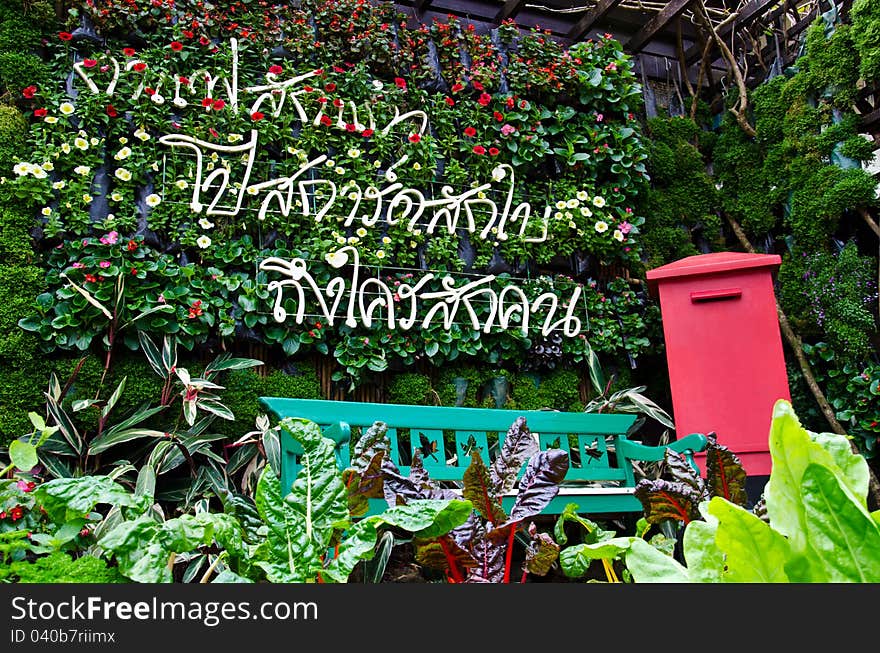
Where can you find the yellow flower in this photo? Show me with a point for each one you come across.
(142, 134)
(124, 153)
(81, 143)
(46, 211)
(48, 166)
(50, 119)
(58, 185)
(181, 184)
(122, 174)
(116, 196)
(87, 198)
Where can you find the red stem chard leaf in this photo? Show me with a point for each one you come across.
(446, 554)
(478, 489)
(537, 487)
(491, 558)
(662, 500)
(678, 469)
(725, 475)
(519, 445)
(373, 441)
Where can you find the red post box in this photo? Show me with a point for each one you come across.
(723, 349)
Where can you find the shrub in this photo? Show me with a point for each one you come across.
(410, 388)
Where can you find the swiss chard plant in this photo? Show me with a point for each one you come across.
(481, 550)
(812, 526)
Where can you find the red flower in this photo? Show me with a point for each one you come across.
(367, 133)
(477, 85)
(257, 115)
(16, 513)
(400, 82)
(90, 63)
(65, 36)
(188, 34)
(484, 99)
(134, 271)
(415, 138)
(325, 120)
(329, 87)
(177, 46)
(470, 131)
(213, 132)
(150, 91)
(276, 70)
(350, 127)
(498, 116)
(450, 101)
(111, 111)
(494, 151)
(510, 102)
(308, 89)
(139, 67)
(128, 52)
(322, 100)
(132, 245)
(204, 40)
(206, 102)
(338, 103)
(479, 149)
(195, 310)
(39, 113)
(183, 80)
(91, 278)
(218, 104)
(29, 91)
(456, 87)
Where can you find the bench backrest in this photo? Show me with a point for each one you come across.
(586, 437)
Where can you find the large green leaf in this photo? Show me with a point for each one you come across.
(841, 533)
(575, 560)
(23, 455)
(705, 561)
(110, 439)
(69, 498)
(649, 565)
(754, 552)
(792, 449)
(286, 555)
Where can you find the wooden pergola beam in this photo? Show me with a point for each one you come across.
(747, 15)
(510, 8)
(593, 16)
(656, 24)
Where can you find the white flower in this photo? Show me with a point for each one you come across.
(142, 134)
(58, 185)
(340, 240)
(116, 196)
(123, 140)
(352, 240)
(618, 235)
(48, 166)
(65, 147)
(377, 163)
(599, 201)
(51, 119)
(378, 85)
(203, 241)
(582, 195)
(499, 173)
(234, 138)
(110, 217)
(329, 163)
(560, 204)
(47, 211)
(38, 172)
(94, 140)
(153, 199)
(181, 184)
(601, 227)
(572, 203)
(361, 232)
(66, 108)
(417, 166)
(380, 254)
(87, 199)
(124, 153)
(557, 215)
(252, 190)
(386, 240)
(586, 212)
(122, 174)
(352, 196)
(204, 223)
(338, 170)
(571, 224)
(353, 152)
(81, 143)
(22, 168)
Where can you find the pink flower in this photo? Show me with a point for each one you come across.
(78, 265)
(104, 264)
(599, 117)
(507, 129)
(111, 238)
(625, 227)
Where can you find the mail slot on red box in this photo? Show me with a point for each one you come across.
(723, 349)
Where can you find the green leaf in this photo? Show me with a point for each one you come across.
(753, 551)
(70, 498)
(154, 358)
(23, 455)
(705, 561)
(841, 534)
(225, 363)
(575, 560)
(649, 565)
(111, 402)
(110, 439)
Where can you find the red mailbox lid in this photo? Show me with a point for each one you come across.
(714, 263)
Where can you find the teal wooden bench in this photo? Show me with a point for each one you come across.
(600, 479)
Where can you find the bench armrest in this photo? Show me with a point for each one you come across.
(688, 445)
